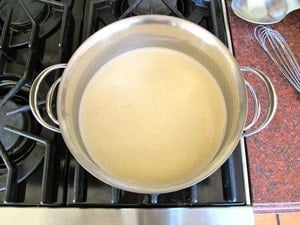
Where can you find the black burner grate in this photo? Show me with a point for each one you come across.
(224, 187)
(33, 162)
(99, 13)
(44, 173)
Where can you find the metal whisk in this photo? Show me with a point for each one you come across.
(276, 47)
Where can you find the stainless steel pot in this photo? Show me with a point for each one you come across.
(149, 31)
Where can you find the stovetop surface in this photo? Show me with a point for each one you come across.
(36, 167)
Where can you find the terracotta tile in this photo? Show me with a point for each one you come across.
(289, 219)
(265, 219)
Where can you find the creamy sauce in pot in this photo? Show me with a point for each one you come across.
(152, 116)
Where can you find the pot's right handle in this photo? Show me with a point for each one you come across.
(272, 102)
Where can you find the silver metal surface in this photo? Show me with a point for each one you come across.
(272, 98)
(95, 216)
(274, 44)
(145, 31)
(257, 108)
(227, 27)
(242, 140)
(33, 97)
(151, 31)
(245, 172)
(264, 11)
(49, 101)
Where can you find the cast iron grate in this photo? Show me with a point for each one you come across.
(33, 160)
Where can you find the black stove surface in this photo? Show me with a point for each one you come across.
(36, 168)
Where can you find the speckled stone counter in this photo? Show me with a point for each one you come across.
(274, 153)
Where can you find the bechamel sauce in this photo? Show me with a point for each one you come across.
(152, 116)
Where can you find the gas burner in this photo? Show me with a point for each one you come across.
(16, 147)
(152, 6)
(126, 8)
(22, 152)
(46, 14)
(20, 22)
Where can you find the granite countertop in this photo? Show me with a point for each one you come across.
(274, 153)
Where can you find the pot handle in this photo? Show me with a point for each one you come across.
(272, 98)
(33, 98)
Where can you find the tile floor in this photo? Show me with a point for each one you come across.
(278, 219)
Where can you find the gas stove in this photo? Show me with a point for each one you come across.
(36, 168)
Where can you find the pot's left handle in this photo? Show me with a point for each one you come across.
(33, 97)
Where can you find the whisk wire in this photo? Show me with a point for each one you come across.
(274, 44)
